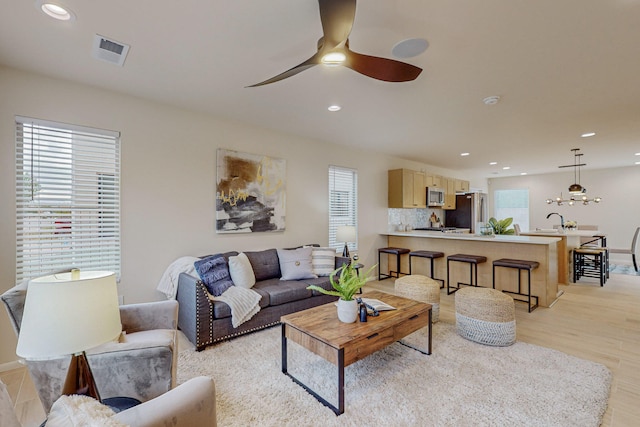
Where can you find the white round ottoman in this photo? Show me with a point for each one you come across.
(485, 316)
(420, 288)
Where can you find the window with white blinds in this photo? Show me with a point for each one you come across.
(67, 198)
(343, 203)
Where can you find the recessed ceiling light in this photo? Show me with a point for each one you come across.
(588, 134)
(491, 100)
(464, 154)
(637, 154)
(55, 10)
(506, 168)
(409, 48)
(493, 163)
(637, 163)
(334, 108)
(523, 173)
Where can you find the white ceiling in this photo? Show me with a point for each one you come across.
(561, 68)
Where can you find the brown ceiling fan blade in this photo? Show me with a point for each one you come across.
(314, 60)
(337, 20)
(388, 70)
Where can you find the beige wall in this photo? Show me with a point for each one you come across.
(616, 215)
(168, 176)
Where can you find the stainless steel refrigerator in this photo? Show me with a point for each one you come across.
(471, 209)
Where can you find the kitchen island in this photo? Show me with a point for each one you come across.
(568, 241)
(544, 279)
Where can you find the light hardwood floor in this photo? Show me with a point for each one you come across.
(587, 321)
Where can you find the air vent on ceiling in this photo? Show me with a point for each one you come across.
(109, 50)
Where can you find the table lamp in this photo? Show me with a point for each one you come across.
(69, 313)
(346, 234)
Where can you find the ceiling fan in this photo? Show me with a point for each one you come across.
(337, 18)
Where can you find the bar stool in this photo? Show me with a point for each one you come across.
(398, 252)
(590, 262)
(520, 265)
(427, 254)
(472, 260)
(599, 241)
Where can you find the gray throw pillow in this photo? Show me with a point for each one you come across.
(296, 264)
(265, 264)
(214, 272)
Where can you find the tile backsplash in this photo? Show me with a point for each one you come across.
(413, 217)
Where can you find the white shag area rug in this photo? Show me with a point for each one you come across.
(461, 384)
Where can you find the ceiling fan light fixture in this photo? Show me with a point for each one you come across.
(333, 58)
(337, 18)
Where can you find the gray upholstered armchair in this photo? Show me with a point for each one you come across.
(190, 404)
(142, 364)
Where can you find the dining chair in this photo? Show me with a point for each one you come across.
(631, 251)
(588, 240)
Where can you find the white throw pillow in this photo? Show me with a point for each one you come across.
(81, 411)
(295, 264)
(241, 271)
(323, 261)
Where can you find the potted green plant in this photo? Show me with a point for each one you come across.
(501, 226)
(349, 280)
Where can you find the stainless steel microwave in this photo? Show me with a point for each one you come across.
(435, 196)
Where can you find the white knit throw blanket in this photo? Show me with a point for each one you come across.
(168, 284)
(244, 303)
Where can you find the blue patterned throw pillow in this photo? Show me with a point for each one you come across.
(214, 272)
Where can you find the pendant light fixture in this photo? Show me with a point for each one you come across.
(577, 191)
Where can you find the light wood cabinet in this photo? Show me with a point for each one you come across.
(434, 181)
(407, 189)
(461, 186)
(449, 193)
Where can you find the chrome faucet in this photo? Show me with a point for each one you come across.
(561, 218)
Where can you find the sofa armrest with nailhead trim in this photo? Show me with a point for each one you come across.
(197, 315)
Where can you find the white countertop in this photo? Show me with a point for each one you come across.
(579, 233)
(535, 240)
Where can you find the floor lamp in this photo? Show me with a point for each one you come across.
(66, 314)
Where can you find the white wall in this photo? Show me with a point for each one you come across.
(616, 216)
(168, 181)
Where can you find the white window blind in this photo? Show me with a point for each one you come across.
(67, 198)
(343, 203)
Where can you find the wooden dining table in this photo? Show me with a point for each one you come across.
(569, 240)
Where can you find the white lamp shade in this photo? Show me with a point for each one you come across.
(346, 233)
(66, 316)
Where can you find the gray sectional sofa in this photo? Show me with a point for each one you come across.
(205, 321)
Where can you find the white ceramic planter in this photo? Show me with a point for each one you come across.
(347, 311)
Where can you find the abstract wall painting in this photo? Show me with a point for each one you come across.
(250, 192)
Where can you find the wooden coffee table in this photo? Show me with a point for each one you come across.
(319, 331)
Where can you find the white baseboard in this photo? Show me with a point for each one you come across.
(10, 366)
